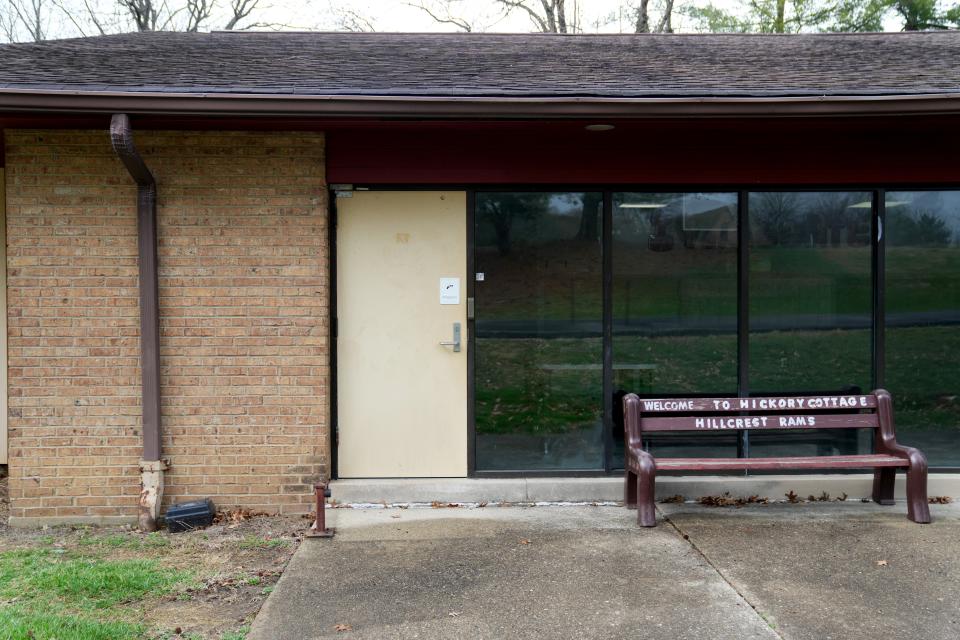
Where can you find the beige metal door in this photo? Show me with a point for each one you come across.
(402, 396)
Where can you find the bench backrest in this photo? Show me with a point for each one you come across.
(861, 411)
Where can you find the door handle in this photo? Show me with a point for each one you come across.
(455, 343)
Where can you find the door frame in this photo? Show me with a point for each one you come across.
(877, 191)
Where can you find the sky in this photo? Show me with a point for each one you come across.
(66, 17)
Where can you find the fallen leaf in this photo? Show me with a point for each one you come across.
(940, 500)
(881, 563)
(524, 541)
(453, 614)
(726, 500)
(342, 627)
(236, 516)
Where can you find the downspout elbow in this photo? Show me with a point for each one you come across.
(151, 466)
(121, 136)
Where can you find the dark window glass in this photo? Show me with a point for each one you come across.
(538, 331)
(923, 320)
(810, 307)
(675, 306)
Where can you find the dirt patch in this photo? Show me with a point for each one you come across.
(233, 566)
(239, 563)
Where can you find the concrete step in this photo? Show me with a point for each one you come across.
(610, 488)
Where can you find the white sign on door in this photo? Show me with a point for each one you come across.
(449, 290)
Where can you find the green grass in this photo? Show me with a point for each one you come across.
(254, 542)
(239, 634)
(60, 595)
(20, 623)
(125, 541)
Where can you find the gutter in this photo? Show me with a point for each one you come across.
(228, 104)
(151, 466)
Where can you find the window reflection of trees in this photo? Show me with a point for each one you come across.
(908, 226)
(500, 214)
(816, 219)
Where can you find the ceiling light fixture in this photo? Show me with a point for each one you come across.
(599, 127)
(869, 205)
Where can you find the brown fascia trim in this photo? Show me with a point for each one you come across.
(215, 104)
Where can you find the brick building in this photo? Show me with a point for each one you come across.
(572, 216)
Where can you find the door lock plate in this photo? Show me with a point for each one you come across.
(455, 343)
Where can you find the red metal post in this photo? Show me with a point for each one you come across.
(319, 528)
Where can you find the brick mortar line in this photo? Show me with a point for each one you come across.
(693, 545)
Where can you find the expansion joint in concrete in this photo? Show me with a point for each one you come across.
(700, 552)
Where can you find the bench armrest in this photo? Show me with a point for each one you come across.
(631, 422)
(887, 437)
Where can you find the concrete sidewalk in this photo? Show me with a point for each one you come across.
(844, 571)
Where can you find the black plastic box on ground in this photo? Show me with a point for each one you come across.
(187, 516)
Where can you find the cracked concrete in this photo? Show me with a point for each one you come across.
(765, 571)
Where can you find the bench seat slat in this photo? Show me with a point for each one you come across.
(800, 404)
(800, 462)
(737, 423)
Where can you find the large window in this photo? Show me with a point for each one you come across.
(538, 331)
(923, 320)
(675, 304)
(582, 297)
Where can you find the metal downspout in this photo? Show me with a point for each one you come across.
(151, 466)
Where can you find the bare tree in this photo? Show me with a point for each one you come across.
(642, 13)
(198, 12)
(555, 16)
(37, 20)
(666, 19)
(550, 17)
(7, 27)
(145, 14)
(444, 14)
(240, 10)
(641, 17)
(352, 20)
(79, 19)
(465, 15)
(158, 15)
(25, 16)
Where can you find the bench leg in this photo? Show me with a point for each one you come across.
(646, 511)
(918, 507)
(884, 480)
(630, 482)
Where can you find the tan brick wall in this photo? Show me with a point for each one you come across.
(243, 304)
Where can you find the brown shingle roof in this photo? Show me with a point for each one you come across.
(492, 65)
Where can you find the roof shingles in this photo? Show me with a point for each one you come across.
(492, 65)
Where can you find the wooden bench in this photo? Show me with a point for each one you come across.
(873, 411)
